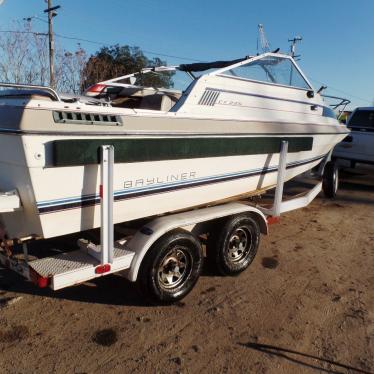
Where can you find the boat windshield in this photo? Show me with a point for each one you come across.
(168, 79)
(270, 69)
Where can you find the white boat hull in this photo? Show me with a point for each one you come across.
(221, 140)
(62, 200)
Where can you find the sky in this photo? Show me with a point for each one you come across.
(337, 49)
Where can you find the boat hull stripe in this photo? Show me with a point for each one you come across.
(89, 200)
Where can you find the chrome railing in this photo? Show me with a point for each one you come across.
(32, 87)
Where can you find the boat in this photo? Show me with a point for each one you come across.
(218, 139)
(357, 149)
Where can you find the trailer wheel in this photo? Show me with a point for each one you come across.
(171, 267)
(233, 245)
(330, 179)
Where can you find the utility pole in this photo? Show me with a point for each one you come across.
(51, 43)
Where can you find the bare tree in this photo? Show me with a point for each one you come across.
(24, 59)
(69, 69)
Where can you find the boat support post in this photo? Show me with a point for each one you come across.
(106, 195)
(300, 201)
(280, 179)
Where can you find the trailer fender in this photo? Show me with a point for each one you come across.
(145, 237)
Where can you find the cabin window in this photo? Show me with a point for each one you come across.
(270, 69)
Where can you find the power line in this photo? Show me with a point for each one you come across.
(341, 91)
(39, 19)
(23, 32)
(29, 19)
(98, 43)
(104, 44)
(144, 50)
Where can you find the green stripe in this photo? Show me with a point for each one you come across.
(86, 151)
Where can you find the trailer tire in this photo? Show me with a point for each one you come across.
(330, 179)
(232, 245)
(171, 267)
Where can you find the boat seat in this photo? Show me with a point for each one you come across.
(168, 102)
(151, 102)
(158, 101)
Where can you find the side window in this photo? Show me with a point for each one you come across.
(362, 119)
(270, 69)
(253, 72)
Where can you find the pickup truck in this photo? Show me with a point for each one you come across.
(358, 146)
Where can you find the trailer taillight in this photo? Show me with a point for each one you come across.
(272, 219)
(41, 282)
(101, 269)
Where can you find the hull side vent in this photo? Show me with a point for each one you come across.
(79, 118)
(209, 97)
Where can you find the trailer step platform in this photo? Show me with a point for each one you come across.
(67, 269)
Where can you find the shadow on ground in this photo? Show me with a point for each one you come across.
(113, 289)
(303, 359)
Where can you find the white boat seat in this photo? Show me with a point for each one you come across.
(168, 102)
(160, 102)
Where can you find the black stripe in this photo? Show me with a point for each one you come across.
(73, 152)
(326, 111)
(171, 134)
(265, 97)
(135, 194)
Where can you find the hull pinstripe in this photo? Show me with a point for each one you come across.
(89, 200)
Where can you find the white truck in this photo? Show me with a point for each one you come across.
(358, 147)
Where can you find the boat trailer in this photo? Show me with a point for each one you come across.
(136, 254)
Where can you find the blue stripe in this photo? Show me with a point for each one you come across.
(139, 190)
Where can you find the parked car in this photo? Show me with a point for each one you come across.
(358, 147)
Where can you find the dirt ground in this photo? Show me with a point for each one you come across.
(305, 305)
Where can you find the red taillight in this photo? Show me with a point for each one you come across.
(96, 88)
(101, 191)
(101, 269)
(41, 282)
(272, 219)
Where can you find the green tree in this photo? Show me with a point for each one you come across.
(115, 61)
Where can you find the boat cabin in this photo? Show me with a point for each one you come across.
(142, 90)
(269, 86)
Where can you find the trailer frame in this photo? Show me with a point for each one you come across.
(91, 261)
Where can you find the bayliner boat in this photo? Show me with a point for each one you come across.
(175, 149)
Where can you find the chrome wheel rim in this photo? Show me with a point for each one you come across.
(173, 269)
(239, 244)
